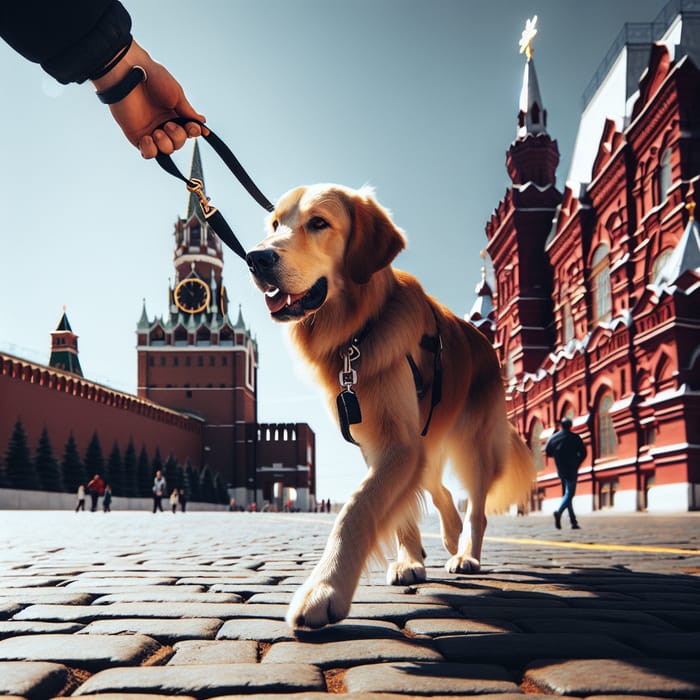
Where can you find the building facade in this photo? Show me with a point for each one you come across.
(595, 313)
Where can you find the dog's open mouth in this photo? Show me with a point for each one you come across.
(284, 306)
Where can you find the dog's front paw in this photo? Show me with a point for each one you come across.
(462, 565)
(316, 605)
(405, 572)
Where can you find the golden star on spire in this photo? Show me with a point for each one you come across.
(529, 33)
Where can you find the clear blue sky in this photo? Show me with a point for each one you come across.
(415, 97)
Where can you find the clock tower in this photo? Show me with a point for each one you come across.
(195, 358)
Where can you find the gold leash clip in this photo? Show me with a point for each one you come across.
(198, 190)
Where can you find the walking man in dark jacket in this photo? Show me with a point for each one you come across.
(568, 451)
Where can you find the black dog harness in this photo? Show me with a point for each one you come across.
(347, 403)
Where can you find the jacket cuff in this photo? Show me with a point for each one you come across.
(86, 57)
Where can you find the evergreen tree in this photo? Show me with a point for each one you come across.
(173, 473)
(19, 468)
(115, 469)
(72, 467)
(94, 459)
(130, 473)
(206, 485)
(145, 476)
(221, 490)
(191, 482)
(47, 467)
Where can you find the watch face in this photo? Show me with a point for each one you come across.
(192, 295)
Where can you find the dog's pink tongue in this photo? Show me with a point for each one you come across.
(280, 300)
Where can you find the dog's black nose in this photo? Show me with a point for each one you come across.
(261, 261)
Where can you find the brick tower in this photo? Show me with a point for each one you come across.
(196, 359)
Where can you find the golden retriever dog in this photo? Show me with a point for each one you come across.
(412, 384)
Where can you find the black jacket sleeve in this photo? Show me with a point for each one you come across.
(71, 39)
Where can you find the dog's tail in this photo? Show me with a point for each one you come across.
(514, 483)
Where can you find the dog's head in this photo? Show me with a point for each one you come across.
(321, 240)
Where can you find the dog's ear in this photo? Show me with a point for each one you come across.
(374, 239)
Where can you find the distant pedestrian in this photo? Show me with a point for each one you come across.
(174, 499)
(182, 497)
(96, 486)
(81, 498)
(568, 451)
(107, 499)
(159, 487)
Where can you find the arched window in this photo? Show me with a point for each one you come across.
(600, 279)
(664, 177)
(658, 266)
(607, 439)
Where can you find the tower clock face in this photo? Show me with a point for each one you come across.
(192, 295)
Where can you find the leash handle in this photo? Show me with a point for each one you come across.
(211, 214)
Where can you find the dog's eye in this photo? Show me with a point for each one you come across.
(275, 225)
(317, 224)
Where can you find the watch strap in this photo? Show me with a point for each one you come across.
(121, 89)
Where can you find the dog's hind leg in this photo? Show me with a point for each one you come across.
(409, 566)
(468, 559)
(475, 464)
(450, 519)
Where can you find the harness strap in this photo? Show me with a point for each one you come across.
(213, 216)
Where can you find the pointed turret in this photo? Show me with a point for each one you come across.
(64, 347)
(144, 323)
(533, 157)
(532, 117)
(483, 312)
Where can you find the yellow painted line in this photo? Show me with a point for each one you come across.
(648, 549)
(641, 548)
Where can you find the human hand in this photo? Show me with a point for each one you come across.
(151, 104)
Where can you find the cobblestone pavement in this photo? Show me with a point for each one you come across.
(135, 605)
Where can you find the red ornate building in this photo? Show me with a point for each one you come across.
(596, 309)
(197, 387)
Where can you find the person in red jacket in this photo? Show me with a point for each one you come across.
(96, 487)
(79, 40)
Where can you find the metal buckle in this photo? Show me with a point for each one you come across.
(198, 190)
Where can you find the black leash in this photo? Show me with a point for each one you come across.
(213, 216)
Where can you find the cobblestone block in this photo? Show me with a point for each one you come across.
(512, 650)
(351, 629)
(215, 652)
(109, 580)
(441, 627)
(167, 631)
(255, 628)
(397, 612)
(29, 581)
(349, 653)
(650, 677)
(429, 679)
(12, 628)
(206, 681)
(80, 651)
(8, 609)
(53, 596)
(166, 594)
(33, 680)
(250, 588)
